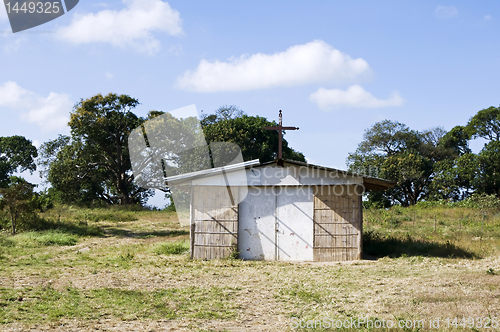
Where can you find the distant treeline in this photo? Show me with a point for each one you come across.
(431, 165)
(92, 166)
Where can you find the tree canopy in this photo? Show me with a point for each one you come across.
(432, 164)
(485, 124)
(93, 164)
(17, 198)
(412, 159)
(17, 154)
(230, 124)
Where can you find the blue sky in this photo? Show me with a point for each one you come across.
(334, 68)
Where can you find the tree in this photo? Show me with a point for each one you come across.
(484, 172)
(408, 157)
(388, 138)
(457, 139)
(17, 154)
(166, 146)
(485, 124)
(412, 171)
(17, 198)
(464, 172)
(93, 164)
(488, 181)
(230, 124)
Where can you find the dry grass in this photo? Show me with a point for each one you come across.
(121, 282)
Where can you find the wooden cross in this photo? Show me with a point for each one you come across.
(280, 129)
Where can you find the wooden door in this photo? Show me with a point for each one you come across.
(337, 223)
(214, 225)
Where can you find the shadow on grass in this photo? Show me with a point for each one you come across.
(144, 235)
(66, 227)
(376, 245)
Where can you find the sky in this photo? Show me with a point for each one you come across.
(335, 68)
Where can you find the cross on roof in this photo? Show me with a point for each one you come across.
(280, 129)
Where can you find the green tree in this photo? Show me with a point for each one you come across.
(17, 154)
(17, 197)
(412, 171)
(167, 146)
(483, 170)
(230, 124)
(488, 181)
(485, 124)
(457, 139)
(93, 164)
(393, 151)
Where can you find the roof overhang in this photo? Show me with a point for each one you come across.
(177, 179)
(369, 182)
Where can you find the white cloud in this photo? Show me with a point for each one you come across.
(354, 96)
(446, 12)
(12, 95)
(109, 75)
(488, 17)
(50, 113)
(300, 64)
(132, 26)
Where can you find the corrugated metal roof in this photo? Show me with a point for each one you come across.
(212, 171)
(370, 182)
(374, 182)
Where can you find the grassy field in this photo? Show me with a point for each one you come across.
(111, 270)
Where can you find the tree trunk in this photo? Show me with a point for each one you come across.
(13, 217)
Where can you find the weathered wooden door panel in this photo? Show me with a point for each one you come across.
(214, 228)
(337, 224)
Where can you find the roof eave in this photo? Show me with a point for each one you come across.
(370, 182)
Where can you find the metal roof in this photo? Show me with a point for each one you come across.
(212, 171)
(370, 182)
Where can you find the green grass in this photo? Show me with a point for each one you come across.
(435, 231)
(5, 243)
(171, 248)
(139, 271)
(114, 214)
(47, 238)
(39, 304)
